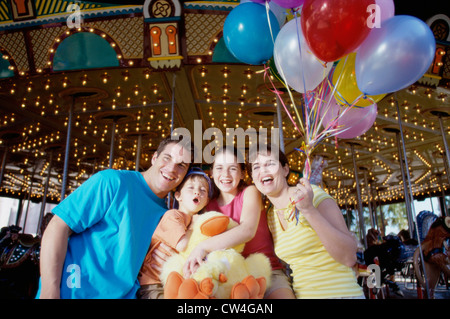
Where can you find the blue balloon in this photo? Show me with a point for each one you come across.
(279, 12)
(247, 33)
(394, 56)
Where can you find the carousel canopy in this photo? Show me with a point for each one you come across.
(116, 77)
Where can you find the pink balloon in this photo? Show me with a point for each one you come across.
(289, 4)
(354, 122)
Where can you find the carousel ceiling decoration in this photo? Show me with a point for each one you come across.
(115, 78)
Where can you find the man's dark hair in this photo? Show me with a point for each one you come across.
(185, 142)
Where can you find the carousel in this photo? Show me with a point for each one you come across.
(92, 85)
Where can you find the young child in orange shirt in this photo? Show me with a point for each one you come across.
(192, 195)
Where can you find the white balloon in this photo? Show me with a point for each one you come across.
(303, 72)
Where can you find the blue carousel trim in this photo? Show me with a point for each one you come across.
(101, 12)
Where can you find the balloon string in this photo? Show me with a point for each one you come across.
(314, 102)
(268, 20)
(284, 82)
(267, 74)
(305, 150)
(300, 50)
(302, 130)
(332, 128)
(338, 95)
(278, 93)
(306, 100)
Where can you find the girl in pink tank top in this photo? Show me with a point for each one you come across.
(243, 204)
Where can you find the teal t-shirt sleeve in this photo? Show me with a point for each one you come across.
(88, 203)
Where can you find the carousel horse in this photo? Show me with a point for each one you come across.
(424, 221)
(19, 262)
(436, 254)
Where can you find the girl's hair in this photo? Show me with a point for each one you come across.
(266, 149)
(240, 160)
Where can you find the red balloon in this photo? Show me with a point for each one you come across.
(335, 28)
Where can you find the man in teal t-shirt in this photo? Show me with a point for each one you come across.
(96, 242)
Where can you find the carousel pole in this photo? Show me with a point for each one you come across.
(403, 163)
(138, 153)
(383, 230)
(174, 78)
(374, 208)
(172, 117)
(29, 199)
(348, 214)
(44, 198)
(447, 154)
(111, 147)
(431, 203)
(94, 166)
(280, 123)
(422, 260)
(442, 204)
(369, 204)
(348, 217)
(67, 151)
(358, 194)
(2, 173)
(446, 167)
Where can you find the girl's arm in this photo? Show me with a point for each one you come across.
(245, 231)
(329, 225)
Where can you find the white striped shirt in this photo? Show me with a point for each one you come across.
(315, 273)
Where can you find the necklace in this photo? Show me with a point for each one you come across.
(288, 214)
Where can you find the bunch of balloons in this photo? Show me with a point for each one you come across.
(373, 52)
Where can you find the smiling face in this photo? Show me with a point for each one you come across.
(227, 172)
(193, 195)
(168, 169)
(269, 175)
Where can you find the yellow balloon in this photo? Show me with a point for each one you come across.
(344, 80)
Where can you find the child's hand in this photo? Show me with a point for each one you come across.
(194, 260)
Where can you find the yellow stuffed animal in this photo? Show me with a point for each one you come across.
(225, 273)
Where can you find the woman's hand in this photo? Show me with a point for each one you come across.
(303, 195)
(197, 256)
(328, 223)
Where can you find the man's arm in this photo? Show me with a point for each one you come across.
(52, 256)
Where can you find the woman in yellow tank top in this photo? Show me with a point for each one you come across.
(309, 231)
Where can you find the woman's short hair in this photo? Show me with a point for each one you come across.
(266, 149)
